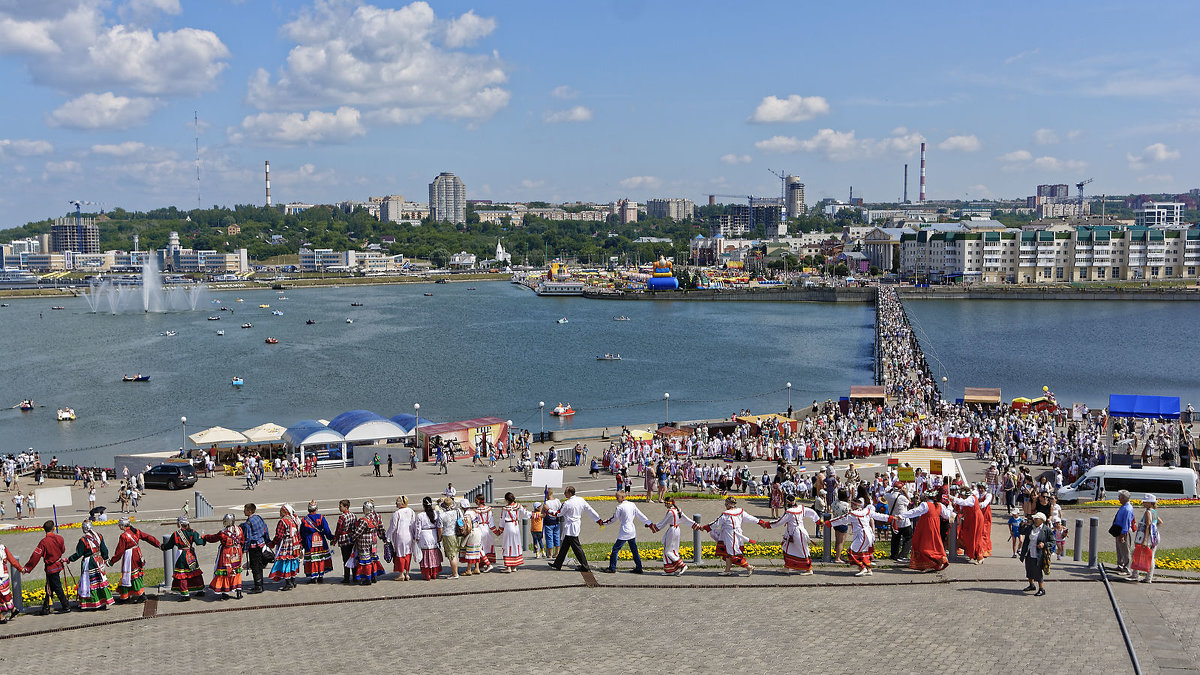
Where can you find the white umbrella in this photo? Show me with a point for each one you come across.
(217, 436)
(265, 433)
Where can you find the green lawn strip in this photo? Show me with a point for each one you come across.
(150, 577)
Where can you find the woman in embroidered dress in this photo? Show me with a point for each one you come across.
(8, 608)
(129, 552)
(510, 532)
(400, 535)
(669, 526)
(488, 541)
(227, 572)
(186, 576)
(367, 531)
(796, 556)
(315, 536)
(93, 588)
(471, 551)
(287, 548)
(428, 535)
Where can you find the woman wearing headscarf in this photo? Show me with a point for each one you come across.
(287, 548)
(428, 535)
(129, 552)
(186, 575)
(8, 609)
(796, 555)
(367, 531)
(510, 532)
(93, 582)
(669, 526)
(314, 537)
(227, 572)
(400, 536)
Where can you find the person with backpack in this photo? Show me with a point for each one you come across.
(254, 541)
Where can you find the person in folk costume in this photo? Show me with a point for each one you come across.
(287, 548)
(510, 532)
(400, 536)
(314, 537)
(93, 588)
(727, 531)
(862, 543)
(983, 497)
(367, 532)
(129, 552)
(344, 536)
(796, 555)
(928, 552)
(488, 542)
(428, 534)
(186, 575)
(8, 608)
(227, 571)
(669, 526)
(970, 539)
(471, 549)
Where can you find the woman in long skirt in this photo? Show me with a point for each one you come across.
(796, 556)
(7, 606)
(471, 551)
(428, 536)
(93, 588)
(227, 572)
(510, 534)
(400, 535)
(287, 548)
(669, 526)
(487, 541)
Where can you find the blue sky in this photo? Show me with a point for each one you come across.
(592, 101)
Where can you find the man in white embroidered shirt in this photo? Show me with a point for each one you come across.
(570, 512)
(625, 514)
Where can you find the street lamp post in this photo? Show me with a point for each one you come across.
(542, 413)
(508, 446)
(416, 423)
(183, 435)
(789, 388)
(667, 405)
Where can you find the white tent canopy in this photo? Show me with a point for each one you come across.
(217, 436)
(265, 433)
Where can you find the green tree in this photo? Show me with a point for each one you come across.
(439, 257)
(841, 270)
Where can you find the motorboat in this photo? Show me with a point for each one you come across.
(563, 320)
(282, 297)
(561, 410)
(470, 288)
(349, 320)
(429, 295)
(214, 318)
(247, 325)
(3, 304)
(272, 341)
(220, 332)
(309, 322)
(26, 405)
(356, 304)
(620, 318)
(225, 309)
(239, 300)
(609, 357)
(66, 415)
(277, 312)
(168, 333)
(136, 378)
(237, 382)
(442, 281)
(58, 307)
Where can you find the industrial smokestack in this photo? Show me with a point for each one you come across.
(905, 184)
(922, 173)
(268, 163)
(712, 200)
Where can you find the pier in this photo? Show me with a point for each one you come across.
(899, 359)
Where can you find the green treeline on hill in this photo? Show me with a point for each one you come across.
(533, 240)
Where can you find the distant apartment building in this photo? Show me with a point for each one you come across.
(625, 210)
(1063, 209)
(293, 208)
(1059, 191)
(448, 199)
(329, 260)
(728, 225)
(1159, 214)
(769, 216)
(394, 209)
(193, 261)
(793, 197)
(674, 208)
(82, 236)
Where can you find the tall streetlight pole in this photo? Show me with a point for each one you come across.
(789, 388)
(416, 423)
(667, 404)
(183, 435)
(508, 447)
(542, 412)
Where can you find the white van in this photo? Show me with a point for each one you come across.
(1164, 482)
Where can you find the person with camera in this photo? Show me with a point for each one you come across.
(1036, 547)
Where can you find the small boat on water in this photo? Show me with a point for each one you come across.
(429, 295)
(238, 300)
(309, 322)
(442, 281)
(563, 320)
(282, 297)
(561, 410)
(356, 304)
(226, 309)
(264, 306)
(220, 332)
(277, 312)
(215, 301)
(58, 307)
(272, 341)
(214, 318)
(25, 405)
(66, 415)
(237, 382)
(136, 378)
(470, 288)
(3, 304)
(620, 318)
(349, 320)
(168, 333)
(247, 325)
(609, 357)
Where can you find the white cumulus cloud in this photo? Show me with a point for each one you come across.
(24, 147)
(68, 166)
(642, 182)
(1017, 156)
(578, 113)
(1045, 137)
(794, 108)
(733, 158)
(119, 149)
(300, 129)
(564, 92)
(530, 184)
(1155, 152)
(398, 66)
(103, 111)
(844, 145)
(965, 143)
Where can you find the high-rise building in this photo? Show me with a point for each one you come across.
(793, 197)
(448, 199)
(768, 216)
(1054, 191)
(1159, 214)
(79, 236)
(673, 208)
(626, 211)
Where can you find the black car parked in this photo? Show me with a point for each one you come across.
(171, 476)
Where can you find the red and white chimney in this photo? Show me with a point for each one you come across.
(922, 172)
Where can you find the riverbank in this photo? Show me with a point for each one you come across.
(866, 294)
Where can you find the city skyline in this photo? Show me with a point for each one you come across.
(594, 102)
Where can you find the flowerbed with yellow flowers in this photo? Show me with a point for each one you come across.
(1137, 502)
(674, 495)
(750, 550)
(61, 526)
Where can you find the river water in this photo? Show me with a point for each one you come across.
(498, 351)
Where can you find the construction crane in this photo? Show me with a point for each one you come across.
(78, 203)
(1079, 186)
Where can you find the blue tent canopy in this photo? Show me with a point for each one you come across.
(405, 420)
(1153, 407)
(310, 432)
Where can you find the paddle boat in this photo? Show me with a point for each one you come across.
(215, 301)
(356, 304)
(563, 411)
(66, 415)
(238, 300)
(349, 320)
(136, 378)
(237, 382)
(247, 325)
(26, 405)
(264, 307)
(563, 320)
(58, 307)
(620, 318)
(214, 318)
(470, 288)
(429, 295)
(277, 312)
(272, 341)
(225, 309)
(3, 304)
(309, 322)
(282, 297)
(168, 333)
(609, 357)
(220, 332)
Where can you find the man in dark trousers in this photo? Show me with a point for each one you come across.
(571, 513)
(254, 540)
(50, 550)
